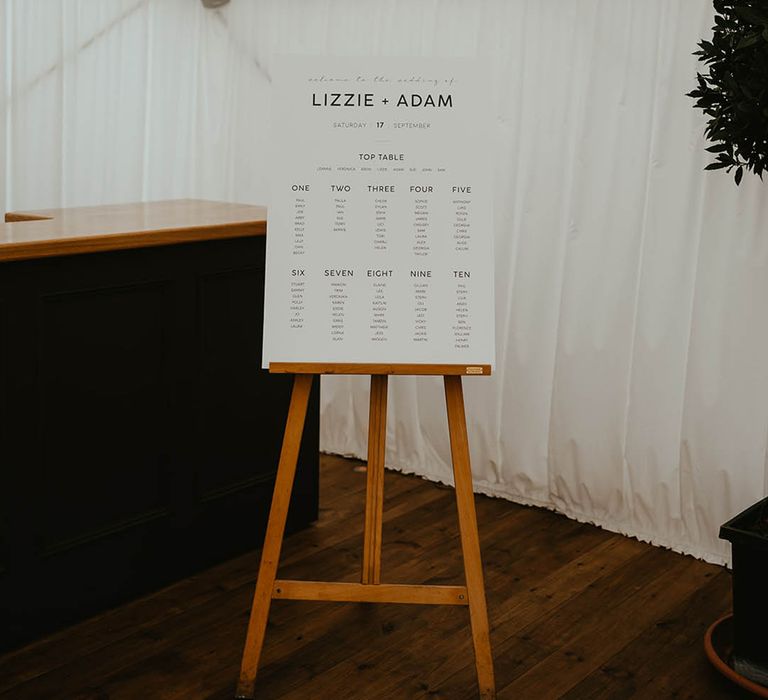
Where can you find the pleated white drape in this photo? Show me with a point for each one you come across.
(127, 100)
(631, 388)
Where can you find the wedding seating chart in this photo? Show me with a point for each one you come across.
(379, 242)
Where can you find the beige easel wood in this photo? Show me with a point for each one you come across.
(370, 589)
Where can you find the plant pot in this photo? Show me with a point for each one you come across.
(748, 535)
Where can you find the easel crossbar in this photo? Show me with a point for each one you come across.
(369, 593)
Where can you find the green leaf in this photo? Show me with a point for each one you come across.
(748, 41)
(749, 15)
(732, 89)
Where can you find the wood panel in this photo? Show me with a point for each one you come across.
(369, 368)
(575, 612)
(104, 388)
(229, 348)
(4, 485)
(78, 230)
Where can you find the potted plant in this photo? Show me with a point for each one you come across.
(733, 92)
(748, 535)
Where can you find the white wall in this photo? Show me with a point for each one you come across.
(632, 385)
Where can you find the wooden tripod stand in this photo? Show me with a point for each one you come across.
(370, 589)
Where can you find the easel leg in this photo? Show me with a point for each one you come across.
(273, 540)
(374, 498)
(470, 542)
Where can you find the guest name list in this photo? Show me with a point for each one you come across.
(379, 245)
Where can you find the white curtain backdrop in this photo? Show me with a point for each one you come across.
(631, 388)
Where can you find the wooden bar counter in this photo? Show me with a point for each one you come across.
(139, 436)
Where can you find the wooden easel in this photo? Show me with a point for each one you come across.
(370, 589)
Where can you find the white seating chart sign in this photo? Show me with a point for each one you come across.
(379, 243)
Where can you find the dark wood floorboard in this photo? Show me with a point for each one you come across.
(576, 612)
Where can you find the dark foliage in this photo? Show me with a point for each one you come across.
(734, 93)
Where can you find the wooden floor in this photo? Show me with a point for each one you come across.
(576, 612)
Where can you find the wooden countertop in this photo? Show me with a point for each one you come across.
(54, 232)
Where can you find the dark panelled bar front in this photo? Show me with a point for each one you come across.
(139, 436)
